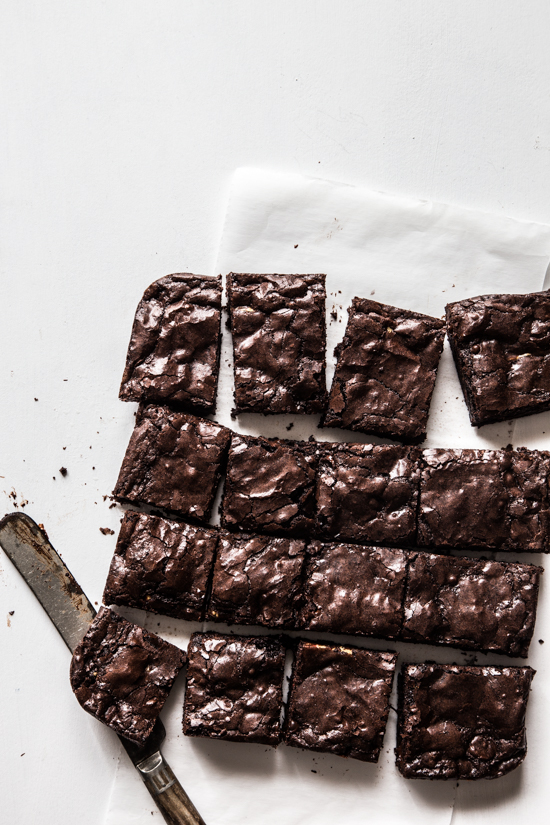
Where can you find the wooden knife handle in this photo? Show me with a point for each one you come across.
(169, 796)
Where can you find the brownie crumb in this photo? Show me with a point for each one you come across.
(107, 531)
(63, 471)
(290, 426)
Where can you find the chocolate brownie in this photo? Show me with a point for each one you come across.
(270, 486)
(161, 566)
(174, 351)
(279, 346)
(173, 461)
(461, 722)
(339, 700)
(354, 590)
(234, 688)
(122, 674)
(257, 580)
(385, 372)
(501, 348)
(470, 603)
(482, 499)
(368, 494)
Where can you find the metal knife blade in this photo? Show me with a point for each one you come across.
(29, 549)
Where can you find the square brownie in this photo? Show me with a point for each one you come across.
(354, 590)
(279, 342)
(461, 722)
(257, 580)
(174, 351)
(385, 372)
(234, 688)
(270, 486)
(174, 461)
(339, 700)
(474, 604)
(501, 348)
(495, 499)
(161, 566)
(122, 674)
(368, 494)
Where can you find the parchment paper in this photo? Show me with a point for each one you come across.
(417, 255)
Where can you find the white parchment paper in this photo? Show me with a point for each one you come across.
(420, 256)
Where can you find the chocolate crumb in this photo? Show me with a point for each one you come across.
(295, 246)
(11, 612)
(107, 531)
(63, 471)
(290, 426)
(541, 641)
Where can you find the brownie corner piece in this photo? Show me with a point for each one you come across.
(461, 722)
(174, 350)
(122, 674)
(385, 372)
(174, 460)
(339, 699)
(279, 342)
(501, 348)
(234, 688)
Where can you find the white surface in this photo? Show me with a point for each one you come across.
(121, 125)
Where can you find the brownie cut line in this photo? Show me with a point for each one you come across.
(279, 342)
(161, 566)
(174, 350)
(122, 674)
(339, 700)
(501, 348)
(461, 722)
(385, 372)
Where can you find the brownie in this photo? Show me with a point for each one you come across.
(470, 603)
(495, 499)
(339, 700)
(354, 590)
(279, 342)
(368, 494)
(501, 348)
(270, 486)
(174, 351)
(161, 566)
(234, 688)
(385, 372)
(174, 461)
(257, 580)
(122, 674)
(461, 722)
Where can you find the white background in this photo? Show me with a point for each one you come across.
(121, 124)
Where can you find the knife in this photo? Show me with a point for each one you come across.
(28, 547)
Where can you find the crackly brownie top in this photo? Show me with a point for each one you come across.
(122, 674)
(385, 371)
(501, 344)
(354, 590)
(485, 498)
(257, 580)
(278, 327)
(162, 566)
(173, 353)
(270, 485)
(174, 461)
(234, 688)
(462, 722)
(368, 494)
(470, 603)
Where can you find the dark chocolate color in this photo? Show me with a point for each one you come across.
(234, 688)
(339, 700)
(470, 603)
(122, 674)
(161, 566)
(279, 346)
(485, 499)
(461, 722)
(174, 351)
(174, 461)
(257, 580)
(385, 372)
(501, 348)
